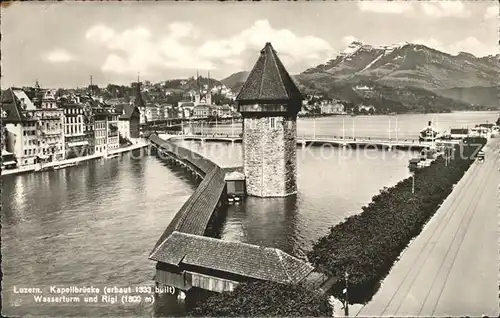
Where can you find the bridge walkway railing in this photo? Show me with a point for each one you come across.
(195, 214)
(315, 138)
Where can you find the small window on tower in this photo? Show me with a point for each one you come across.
(251, 123)
(273, 123)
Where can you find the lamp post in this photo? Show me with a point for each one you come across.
(413, 184)
(346, 302)
(343, 129)
(397, 129)
(353, 128)
(232, 126)
(314, 127)
(389, 128)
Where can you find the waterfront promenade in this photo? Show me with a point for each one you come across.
(31, 168)
(451, 268)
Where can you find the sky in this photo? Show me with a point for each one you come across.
(62, 44)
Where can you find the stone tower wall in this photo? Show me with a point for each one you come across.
(270, 157)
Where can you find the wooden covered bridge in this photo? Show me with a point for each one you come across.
(187, 257)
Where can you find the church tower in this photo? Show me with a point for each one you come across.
(139, 102)
(269, 102)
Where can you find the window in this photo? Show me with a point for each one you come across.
(272, 123)
(251, 123)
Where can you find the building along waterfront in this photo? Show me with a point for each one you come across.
(40, 127)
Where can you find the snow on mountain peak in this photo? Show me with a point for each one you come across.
(352, 48)
(357, 45)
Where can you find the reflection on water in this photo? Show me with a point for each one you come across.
(93, 224)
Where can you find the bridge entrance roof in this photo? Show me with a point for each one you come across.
(243, 259)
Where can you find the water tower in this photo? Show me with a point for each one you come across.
(269, 102)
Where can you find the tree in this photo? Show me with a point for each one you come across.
(265, 299)
(174, 98)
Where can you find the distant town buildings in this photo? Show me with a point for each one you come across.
(75, 139)
(47, 125)
(332, 107)
(40, 127)
(129, 120)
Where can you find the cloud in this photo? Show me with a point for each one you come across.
(99, 33)
(469, 44)
(491, 12)
(58, 56)
(445, 9)
(138, 50)
(182, 29)
(292, 48)
(392, 7)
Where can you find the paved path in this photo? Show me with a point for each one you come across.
(452, 267)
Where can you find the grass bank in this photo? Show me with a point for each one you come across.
(366, 245)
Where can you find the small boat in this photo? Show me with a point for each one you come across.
(413, 163)
(428, 133)
(111, 156)
(479, 131)
(65, 166)
(480, 156)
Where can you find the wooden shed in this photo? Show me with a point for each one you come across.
(235, 184)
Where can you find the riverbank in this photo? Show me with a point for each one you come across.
(50, 165)
(367, 245)
(456, 251)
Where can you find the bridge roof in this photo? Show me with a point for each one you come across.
(248, 260)
(195, 213)
(269, 80)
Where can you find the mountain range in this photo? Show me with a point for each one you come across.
(401, 77)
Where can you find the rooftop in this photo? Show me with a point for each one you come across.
(459, 131)
(248, 260)
(235, 175)
(269, 81)
(11, 105)
(129, 111)
(195, 213)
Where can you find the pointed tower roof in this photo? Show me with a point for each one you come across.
(269, 81)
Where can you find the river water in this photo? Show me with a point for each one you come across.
(95, 224)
